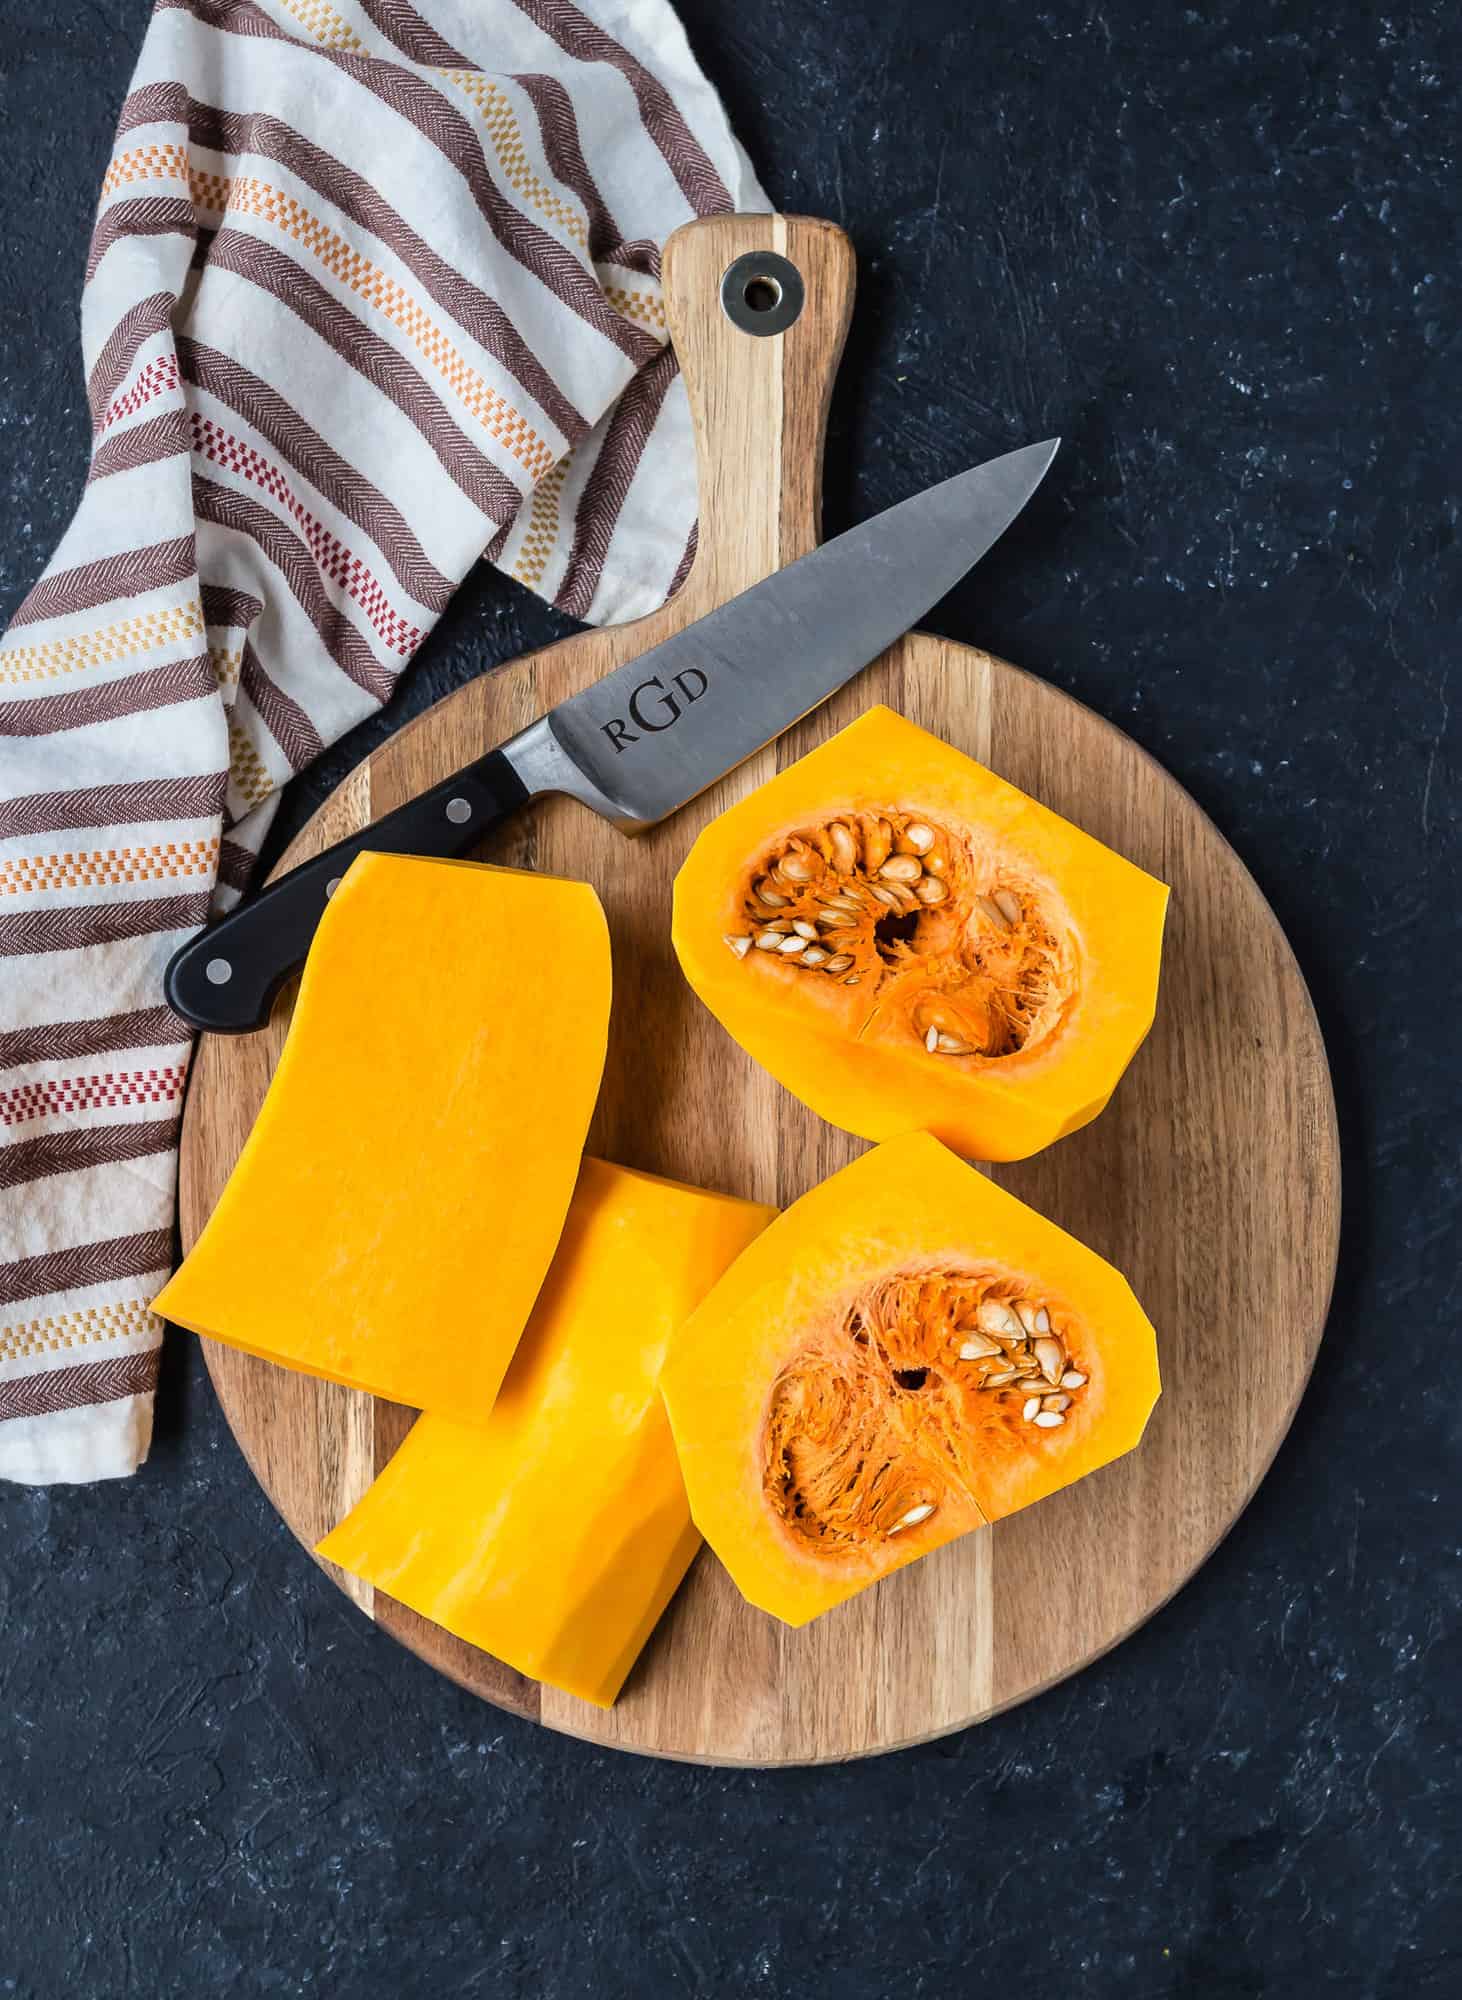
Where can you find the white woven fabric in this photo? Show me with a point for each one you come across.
(373, 290)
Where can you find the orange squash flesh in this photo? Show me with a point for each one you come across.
(393, 1212)
(907, 1353)
(909, 943)
(554, 1534)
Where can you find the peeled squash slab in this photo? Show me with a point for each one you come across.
(908, 943)
(555, 1535)
(907, 1353)
(395, 1208)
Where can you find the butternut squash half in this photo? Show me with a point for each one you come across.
(907, 1353)
(398, 1202)
(909, 943)
(555, 1534)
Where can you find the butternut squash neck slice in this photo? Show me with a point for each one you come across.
(398, 1202)
(909, 943)
(555, 1534)
(908, 1353)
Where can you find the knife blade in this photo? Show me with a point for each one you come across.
(653, 734)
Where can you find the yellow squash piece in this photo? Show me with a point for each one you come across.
(909, 943)
(395, 1208)
(907, 1353)
(555, 1535)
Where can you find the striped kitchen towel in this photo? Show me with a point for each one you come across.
(373, 291)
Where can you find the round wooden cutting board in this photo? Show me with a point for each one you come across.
(1212, 1180)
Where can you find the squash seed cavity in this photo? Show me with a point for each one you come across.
(879, 1419)
(965, 958)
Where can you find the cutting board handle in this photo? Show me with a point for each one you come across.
(759, 400)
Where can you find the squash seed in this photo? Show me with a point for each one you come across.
(740, 945)
(993, 912)
(1001, 1378)
(836, 920)
(930, 890)
(1008, 906)
(1031, 1408)
(792, 943)
(992, 1317)
(917, 837)
(840, 961)
(1049, 1354)
(1073, 1379)
(852, 981)
(977, 1346)
(798, 867)
(814, 955)
(931, 1040)
(1055, 1402)
(1049, 1419)
(765, 893)
(949, 1045)
(912, 1519)
(1025, 1312)
(877, 845)
(901, 868)
(805, 929)
(845, 852)
(769, 940)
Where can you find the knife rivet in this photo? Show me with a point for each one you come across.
(218, 972)
(459, 811)
(332, 885)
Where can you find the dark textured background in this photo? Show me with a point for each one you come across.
(1216, 247)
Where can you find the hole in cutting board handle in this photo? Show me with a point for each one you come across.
(762, 293)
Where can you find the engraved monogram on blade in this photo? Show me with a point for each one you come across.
(653, 712)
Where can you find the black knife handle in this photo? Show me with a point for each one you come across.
(225, 979)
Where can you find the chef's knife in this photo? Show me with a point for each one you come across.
(647, 738)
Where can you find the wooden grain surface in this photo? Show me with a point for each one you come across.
(1212, 1180)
